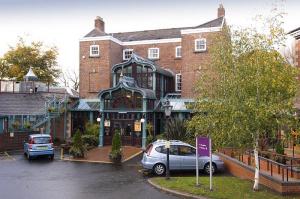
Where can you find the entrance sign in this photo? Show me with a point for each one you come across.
(137, 126)
(203, 148)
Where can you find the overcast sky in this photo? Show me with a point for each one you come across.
(63, 22)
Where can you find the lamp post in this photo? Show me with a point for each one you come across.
(168, 111)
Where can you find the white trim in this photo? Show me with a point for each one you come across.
(127, 49)
(200, 50)
(129, 43)
(176, 82)
(151, 57)
(201, 30)
(154, 41)
(101, 38)
(176, 49)
(94, 55)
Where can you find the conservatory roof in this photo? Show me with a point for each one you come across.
(130, 84)
(143, 61)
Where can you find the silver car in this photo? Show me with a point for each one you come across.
(182, 157)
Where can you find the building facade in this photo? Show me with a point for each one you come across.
(296, 49)
(133, 73)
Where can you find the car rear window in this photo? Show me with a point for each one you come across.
(41, 140)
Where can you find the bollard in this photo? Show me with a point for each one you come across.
(62, 153)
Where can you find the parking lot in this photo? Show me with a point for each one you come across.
(43, 178)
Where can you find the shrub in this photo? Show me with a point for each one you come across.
(176, 129)
(92, 129)
(27, 125)
(78, 147)
(279, 148)
(90, 140)
(116, 150)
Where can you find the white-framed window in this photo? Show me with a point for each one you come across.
(200, 45)
(178, 51)
(127, 54)
(94, 51)
(153, 53)
(178, 82)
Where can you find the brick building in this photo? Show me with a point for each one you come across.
(132, 73)
(296, 54)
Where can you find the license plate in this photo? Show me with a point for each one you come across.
(42, 147)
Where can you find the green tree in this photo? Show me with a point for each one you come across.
(17, 60)
(248, 91)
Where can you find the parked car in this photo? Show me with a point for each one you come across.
(38, 145)
(182, 157)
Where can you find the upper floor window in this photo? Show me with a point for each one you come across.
(178, 82)
(200, 45)
(153, 53)
(127, 54)
(94, 51)
(178, 51)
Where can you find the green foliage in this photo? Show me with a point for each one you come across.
(90, 140)
(279, 148)
(92, 129)
(177, 130)
(78, 147)
(16, 125)
(248, 90)
(116, 150)
(16, 62)
(27, 125)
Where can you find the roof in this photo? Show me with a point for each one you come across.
(87, 105)
(62, 90)
(130, 84)
(25, 103)
(30, 76)
(135, 58)
(39, 135)
(295, 33)
(154, 34)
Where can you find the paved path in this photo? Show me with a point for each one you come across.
(42, 178)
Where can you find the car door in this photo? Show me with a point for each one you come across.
(187, 157)
(174, 158)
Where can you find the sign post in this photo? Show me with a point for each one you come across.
(203, 148)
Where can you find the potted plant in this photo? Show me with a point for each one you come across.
(27, 125)
(78, 147)
(116, 150)
(15, 125)
(51, 109)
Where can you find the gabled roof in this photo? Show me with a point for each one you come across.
(135, 58)
(155, 34)
(130, 84)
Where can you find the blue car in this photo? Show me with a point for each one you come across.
(38, 145)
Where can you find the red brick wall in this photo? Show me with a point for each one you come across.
(13, 143)
(297, 53)
(167, 57)
(244, 171)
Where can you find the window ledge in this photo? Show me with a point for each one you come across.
(178, 58)
(199, 51)
(153, 59)
(94, 56)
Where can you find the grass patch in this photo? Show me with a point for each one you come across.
(224, 187)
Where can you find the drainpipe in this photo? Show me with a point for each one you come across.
(101, 129)
(144, 136)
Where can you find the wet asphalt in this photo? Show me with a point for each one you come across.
(46, 179)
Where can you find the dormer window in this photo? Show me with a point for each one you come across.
(153, 53)
(127, 54)
(94, 51)
(178, 52)
(200, 45)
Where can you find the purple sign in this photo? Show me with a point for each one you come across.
(203, 146)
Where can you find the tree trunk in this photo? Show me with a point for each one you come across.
(256, 176)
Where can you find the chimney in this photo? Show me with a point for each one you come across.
(221, 11)
(99, 24)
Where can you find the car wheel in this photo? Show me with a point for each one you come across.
(51, 157)
(207, 169)
(159, 169)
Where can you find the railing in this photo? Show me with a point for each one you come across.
(273, 168)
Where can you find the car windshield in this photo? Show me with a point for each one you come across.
(41, 140)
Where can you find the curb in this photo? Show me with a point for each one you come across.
(173, 192)
(101, 162)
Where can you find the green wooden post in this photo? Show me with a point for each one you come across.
(154, 82)
(91, 117)
(65, 119)
(48, 125)
(101, 129)
(144, 134)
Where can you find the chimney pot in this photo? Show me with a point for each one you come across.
(99, 24)
(221, 11)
